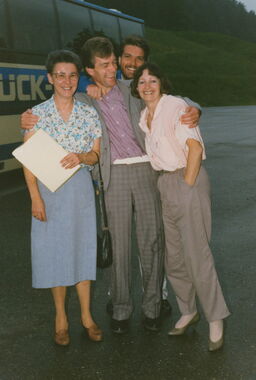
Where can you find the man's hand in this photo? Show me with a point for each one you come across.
(94, 91)
(191, 117)
(28, 120)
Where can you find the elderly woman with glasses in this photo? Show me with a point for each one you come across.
(177, 151)
(63, 236)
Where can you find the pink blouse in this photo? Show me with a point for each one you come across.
(166, 140)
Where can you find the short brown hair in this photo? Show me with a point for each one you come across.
(96, 47)
(58, 56)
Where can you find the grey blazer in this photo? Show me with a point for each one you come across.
(134, 107)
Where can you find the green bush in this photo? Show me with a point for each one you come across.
(210, 68)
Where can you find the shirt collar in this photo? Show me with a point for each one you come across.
(54, 108)
(159, 105)
(113, 94)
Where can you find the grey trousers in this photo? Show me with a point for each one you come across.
(189, 263)
(133, 189)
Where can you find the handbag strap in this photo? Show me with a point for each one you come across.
(104, 220)
(100, 175)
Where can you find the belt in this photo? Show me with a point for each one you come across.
(131, 160)
(170, 172)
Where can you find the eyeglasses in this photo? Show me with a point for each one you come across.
(61, 77)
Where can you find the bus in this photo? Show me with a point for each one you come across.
(29, 30)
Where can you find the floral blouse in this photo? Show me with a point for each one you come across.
(78, 133)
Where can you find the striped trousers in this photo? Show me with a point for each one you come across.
(133, 192)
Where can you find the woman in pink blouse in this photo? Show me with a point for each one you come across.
(177, 151)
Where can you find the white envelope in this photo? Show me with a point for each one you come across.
(41, 154)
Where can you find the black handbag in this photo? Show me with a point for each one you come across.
(104, 244)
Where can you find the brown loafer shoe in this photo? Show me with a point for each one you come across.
(62, 338)
(94, 333)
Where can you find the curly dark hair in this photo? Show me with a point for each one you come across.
(153, 69)
(138, 41)
(58, 56)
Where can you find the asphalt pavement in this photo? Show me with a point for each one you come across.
(27, 351)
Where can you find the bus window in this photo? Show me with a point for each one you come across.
(34, 25)
(75, 25)
(130, 27)
(3, 31)
(107, 24)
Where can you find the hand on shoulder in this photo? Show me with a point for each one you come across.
(28, 120)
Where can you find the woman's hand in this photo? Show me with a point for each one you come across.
(71, 160)
(194, 161)
(38, 209)
(189, 181)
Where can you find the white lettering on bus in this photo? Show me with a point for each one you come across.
(11, 96)
(20, 79)
(35, 87)
(16, 88)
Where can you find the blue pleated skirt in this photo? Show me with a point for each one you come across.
(64, 247)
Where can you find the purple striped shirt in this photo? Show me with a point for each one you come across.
(123, 143)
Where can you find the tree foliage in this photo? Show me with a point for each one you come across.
(222, 16)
